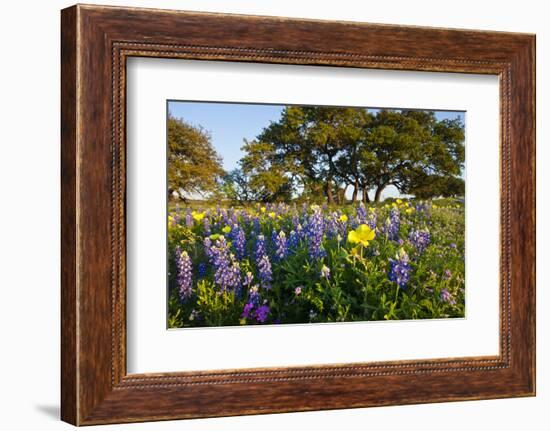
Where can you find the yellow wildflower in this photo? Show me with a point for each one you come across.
(399, 201)
(198, 216)
(262, 209)
(272, 214)
(226, 229)
(343, 218)
(215, 236)
(409, 210)
(362, 235)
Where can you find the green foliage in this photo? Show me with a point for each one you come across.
(321, 150)
(194, 166)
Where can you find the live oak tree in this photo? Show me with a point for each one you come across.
(414, 152)
(264, 175)
(328, 148)
(194, 166)
(307, 143)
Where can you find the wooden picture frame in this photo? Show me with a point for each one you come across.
(95, 43)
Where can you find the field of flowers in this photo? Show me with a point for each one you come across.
(280, 263)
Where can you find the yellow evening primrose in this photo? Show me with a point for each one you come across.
(262, 209)
(226, 229)
(272, 214)
(399, 201)
(198, 216)
(409, 210)
(343, 218)
(362, 235)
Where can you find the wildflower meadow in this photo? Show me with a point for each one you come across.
(280, 263)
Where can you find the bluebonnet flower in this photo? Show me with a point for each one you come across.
(184, 276)
(295, 221)
(247, 309)
(227, 272)
(361, 214)
(261, 313)
(281, 246)
(400, 269)
(293, 241)
(448, 274)
(188, 219)
(315, 231)
(331, 225)
(201, 269)
(206, 225)
(257, 225)
(207, 247)
(446, 296)
(391, 227)
(372, 220)
(264, 272)
(254, 295)
(260, 250)
(239, 240)
(420, 239)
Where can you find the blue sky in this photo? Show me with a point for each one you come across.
(230, 123)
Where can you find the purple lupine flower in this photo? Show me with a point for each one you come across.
(361, 214)
(201, 270)
(400, 269)
(260, 250)
(257, 225)
(293, 240)
(227, 272)
(206, 224)
(261, 313)
(448, 274)
(264, 272)
(189, 218)
(281, 246)
(447, 297)
(372, 220)
(391, 227)
(325, 272)
(248, 307)
(184, 276)
(208, 247)
(315, 232)
(420, 239)
(331, 225)
(295, 222)
(239, 240)
(254, 295)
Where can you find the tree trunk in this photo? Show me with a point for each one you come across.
(355, 192)
(378, 192)
(328, 192)
(364, 196)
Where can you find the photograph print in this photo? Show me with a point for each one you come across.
(295, 214)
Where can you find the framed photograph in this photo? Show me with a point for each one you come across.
(264, 215)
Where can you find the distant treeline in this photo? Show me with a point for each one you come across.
(319, 153)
